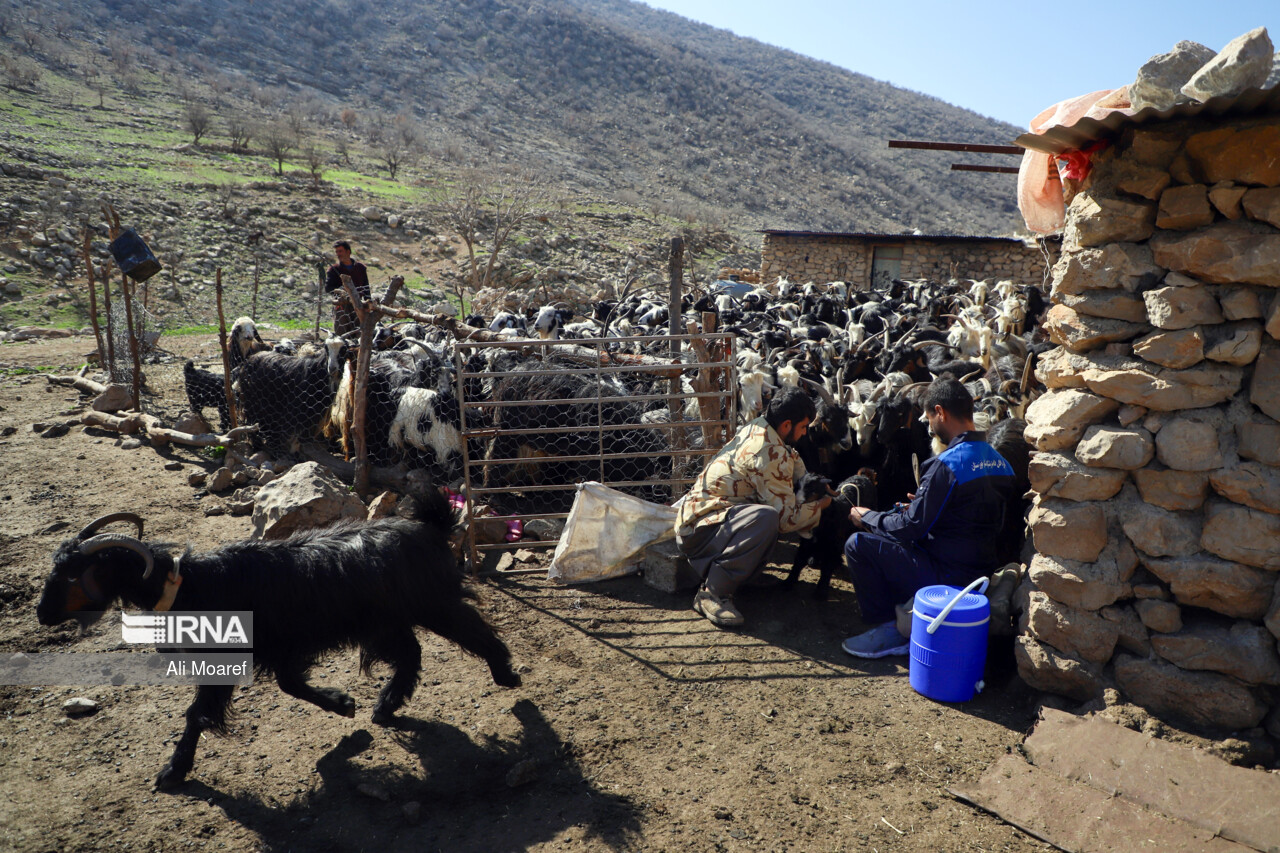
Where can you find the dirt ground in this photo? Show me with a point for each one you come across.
(639, 725)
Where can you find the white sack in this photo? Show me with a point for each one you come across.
(605, 534)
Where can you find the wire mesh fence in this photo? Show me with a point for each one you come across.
(534, 425)
(147, 329)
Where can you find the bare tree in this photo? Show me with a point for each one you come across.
(494, 207)
(349, 118)
(279, 141)
(296, 115)
(342, 147)
(198, 120)
(240, 131)
(315, 161)
(396, 144)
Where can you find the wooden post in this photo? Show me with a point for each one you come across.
(319, 297)
(368, 318)
(93, 298)
(256, 269)
(111, 337)
(226, 355)
(127, 293)
(393, 288)
(675, 274)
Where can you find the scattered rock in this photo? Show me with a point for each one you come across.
(383, 505)
(212, 509)
(543, 529)
(221, 480)
(197, 479)
(59, 430)
(373, 791)
(79, 706)
(114, 399)
(173, 466)
(308, 496)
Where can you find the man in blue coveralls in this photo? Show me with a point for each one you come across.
(946, 535)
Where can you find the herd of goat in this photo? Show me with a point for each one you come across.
(864, 355)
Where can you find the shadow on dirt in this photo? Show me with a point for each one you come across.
(496, 794)
(788, 636)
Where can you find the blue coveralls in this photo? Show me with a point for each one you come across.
(946, 535)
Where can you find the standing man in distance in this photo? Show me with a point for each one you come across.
(742, 500)
(946, 535)
(344, 315)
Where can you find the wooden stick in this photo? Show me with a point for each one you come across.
(163, 435)
(93, 297)
(226, 355)
(368, 318)
(84, 386)
(133, 340)
(111, 336)
(123, 424)
(393, 288)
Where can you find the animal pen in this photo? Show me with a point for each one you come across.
(532, 434)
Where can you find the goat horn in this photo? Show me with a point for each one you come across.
(821, 389)
(98, 523)
(1026, 374)
(116, 540)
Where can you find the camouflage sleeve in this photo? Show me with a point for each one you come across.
(774, 476)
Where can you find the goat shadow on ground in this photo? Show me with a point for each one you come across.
(788, 634)
(491, 793)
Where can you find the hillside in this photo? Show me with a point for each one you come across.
(605, 95)
(633, 124)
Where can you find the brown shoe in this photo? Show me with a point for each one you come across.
(719, 611)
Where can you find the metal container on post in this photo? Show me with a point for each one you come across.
(133, 256)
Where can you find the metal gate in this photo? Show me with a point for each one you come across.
(538, 419)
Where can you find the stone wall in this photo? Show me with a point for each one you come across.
(835, 257)
(1157, 477)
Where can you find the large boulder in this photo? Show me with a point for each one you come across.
(1045, 668)
(1224, 253)
(1114, 447)
(1059, 475)
(1259, 440)
(1057, 419)
(1204, 699)
(1233, 343)
(1127, 266)
(1263, 205)
(1185, 207)
(1159, 532)
(1086, 585)
(1264, 390)
(308, 496)
(1080, 633)
(1176, 349)
(1098, 221)
(1232, 589)
(1251, 484)
(1163, 389)
(1171, 489)
(1070, 529)
(1161, 78)
(1179, 307)
(1083, 332)
(1245, 63)
(1246, 651)
(1189, 444)
(1111, 304)
(1241, 534)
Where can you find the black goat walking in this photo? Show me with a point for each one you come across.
(204, 388)
(360, 585)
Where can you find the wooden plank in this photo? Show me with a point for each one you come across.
(1079, 818)
(1188, 784)
(972, 167)
(972, 147)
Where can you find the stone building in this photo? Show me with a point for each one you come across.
(864, 259)
(1157, 477)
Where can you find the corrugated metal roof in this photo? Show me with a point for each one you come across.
(1072, 137)
(872, 235)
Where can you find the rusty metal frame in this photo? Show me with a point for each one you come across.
(476, 424)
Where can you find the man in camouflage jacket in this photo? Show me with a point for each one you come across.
(745, 497)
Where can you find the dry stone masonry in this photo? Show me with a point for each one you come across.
(1157, 472)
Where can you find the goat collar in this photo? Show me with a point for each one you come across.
(171, 585)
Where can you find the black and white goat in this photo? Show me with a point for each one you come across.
(550, 320)
(365, 585)
(205, 388)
